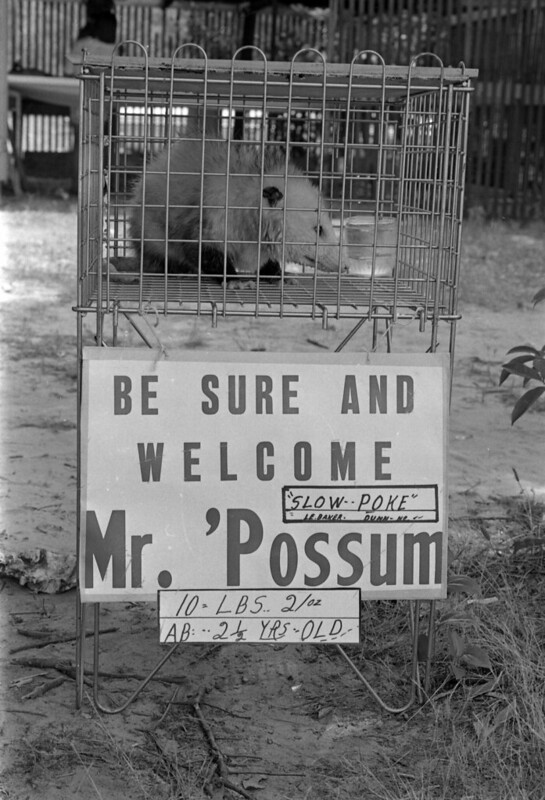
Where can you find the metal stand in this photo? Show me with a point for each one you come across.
(415, 175)
(415, 692)
(418, 688)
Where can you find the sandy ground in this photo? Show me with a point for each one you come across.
(291, 721)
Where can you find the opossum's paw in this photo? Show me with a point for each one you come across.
(270, 282)
(270, 269)
(215, 264)
(117, 272)
(237, 285)
(271, 272)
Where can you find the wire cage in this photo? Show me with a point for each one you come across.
(251, 188)
(284, 189)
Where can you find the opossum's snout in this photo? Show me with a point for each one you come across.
(323, 248)
(273, 195)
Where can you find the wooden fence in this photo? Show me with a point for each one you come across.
(504, 39)
(43, 31)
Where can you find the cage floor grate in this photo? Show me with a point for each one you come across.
(300, 296)
(186, 293)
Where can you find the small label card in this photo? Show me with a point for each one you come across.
(254, 615)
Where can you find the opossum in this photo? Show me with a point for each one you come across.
(264, 214)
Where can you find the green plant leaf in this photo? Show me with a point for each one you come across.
(422, 647)
(481, 728)
(539, 296)
(456, 643)
(503, 716)
(483, 688)
(476, 656)
(523, 403)
(525, 348)
(463, 583)
(457, 617)
(485, 727)
(459, 672)
(511, 367)
(518, 367)
(539, 365)
(527, 543)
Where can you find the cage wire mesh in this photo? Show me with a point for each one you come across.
(293, 189)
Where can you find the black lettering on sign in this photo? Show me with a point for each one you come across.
(151, 460)
(288, 393)
(405, 394)
(388, 577)
(343, 463)
(102, 549)
(381, 459)
(236, 547)
(264, 471)
(263, 394)
(208, 383)
(191, 461)
(148, 394)
(378, 395)
(122, 394)
(123, 399)
(350, 402)
(424, 542)
(225, 475)
(317, 558)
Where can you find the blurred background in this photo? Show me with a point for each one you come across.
(503, 39)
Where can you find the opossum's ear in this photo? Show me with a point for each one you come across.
(273, 195)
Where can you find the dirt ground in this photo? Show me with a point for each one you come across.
(290, 721)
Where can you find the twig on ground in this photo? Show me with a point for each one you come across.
(18, 682)
(207, 653)
(86, 770)
(43, 688)
(58, 640)
(24, 711)
(32, 634)
(48, 663)
(161, 719)
(226, 711)
(67, 669)
(222, 767)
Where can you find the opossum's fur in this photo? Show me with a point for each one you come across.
(257, 191)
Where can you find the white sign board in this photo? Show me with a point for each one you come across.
(269, 471)
(259, 615)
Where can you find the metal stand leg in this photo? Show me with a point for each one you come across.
(96, 654)
(416, 688)
(80, 648)
(350, 334)
(430, 648)
(414, 612)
